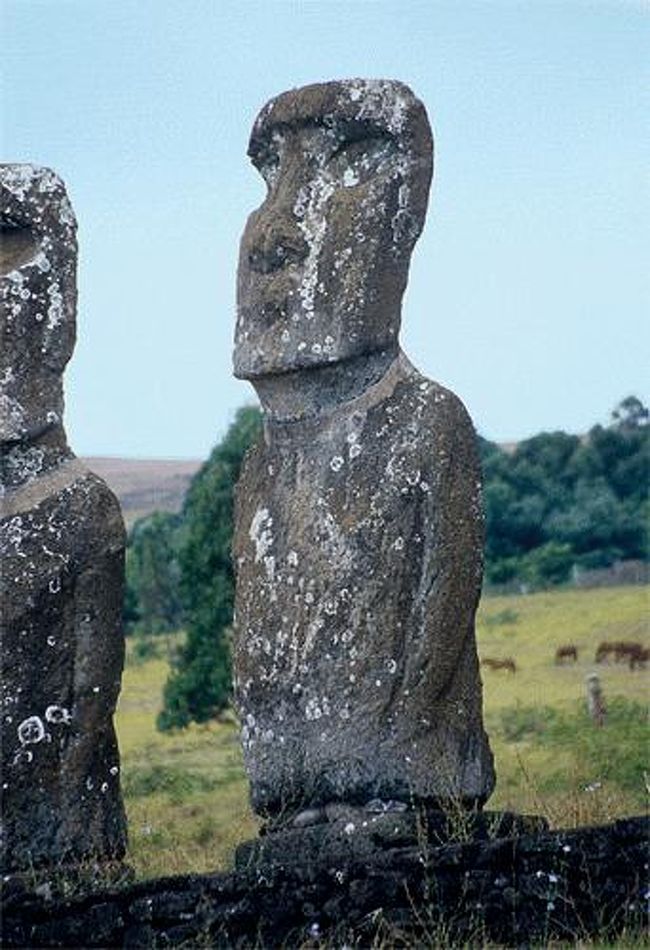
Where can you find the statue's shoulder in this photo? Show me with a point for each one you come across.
(436, 410)
(69, 498)
(101, 505)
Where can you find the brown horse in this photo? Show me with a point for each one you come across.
(567, 652)
(639, 657)
(626, 649)
(629, 650)
(604, 650)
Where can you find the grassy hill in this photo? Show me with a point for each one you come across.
(186, 793)
(145, 485)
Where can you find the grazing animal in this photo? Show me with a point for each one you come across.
(638, 658)
(621, 650)
(568, 652)
(604, 650)
(506, 664)
(626, 649)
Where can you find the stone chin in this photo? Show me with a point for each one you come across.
(12, 421)
(21, 423)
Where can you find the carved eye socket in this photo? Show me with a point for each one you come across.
(356, 160)
(268, 165)
(17, 246)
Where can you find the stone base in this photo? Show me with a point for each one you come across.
(329, 884)
(357, 836)
(67, 881)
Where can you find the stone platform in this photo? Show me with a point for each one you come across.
(505, 879)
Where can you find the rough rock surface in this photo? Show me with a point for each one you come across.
(368, 887)
(358, 542)
(62, 550)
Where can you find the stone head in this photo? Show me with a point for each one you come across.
(38, 261)
(324, 260)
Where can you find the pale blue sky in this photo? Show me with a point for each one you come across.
(529, 289)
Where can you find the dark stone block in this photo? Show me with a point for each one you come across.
(468, 893)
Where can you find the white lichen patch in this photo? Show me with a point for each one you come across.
(31, 730)
(317, 708)
(55, 312)
(42, 262)
(309, 210)
(19, 179)
(381, 101)
(260, 533)
(58, 715)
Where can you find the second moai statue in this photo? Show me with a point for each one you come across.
(62, 549)
(359, 531)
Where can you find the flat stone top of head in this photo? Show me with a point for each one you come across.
(350, 108)
(34, 196)
(35, 216)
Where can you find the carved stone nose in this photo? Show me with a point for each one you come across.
(276, 246)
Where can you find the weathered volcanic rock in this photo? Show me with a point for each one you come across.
(372, 886)
(358, 541)
(62, 549)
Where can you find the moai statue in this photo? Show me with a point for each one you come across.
(358, 541)
(62, 549)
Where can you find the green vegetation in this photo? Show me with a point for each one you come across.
(559, 502)
(153, 603)
(200, 682)
(617, 754)
(186, 792)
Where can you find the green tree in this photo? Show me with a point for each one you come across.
(199, 685)
(153, 573)
(547, 564)
(631, 415)
(558, 499)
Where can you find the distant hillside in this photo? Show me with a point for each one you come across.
(146, 485)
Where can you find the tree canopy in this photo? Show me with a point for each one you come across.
(559, 501)
(199, 685)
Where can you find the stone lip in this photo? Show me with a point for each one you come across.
(524, 888)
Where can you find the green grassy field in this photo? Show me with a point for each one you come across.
(186, 793)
